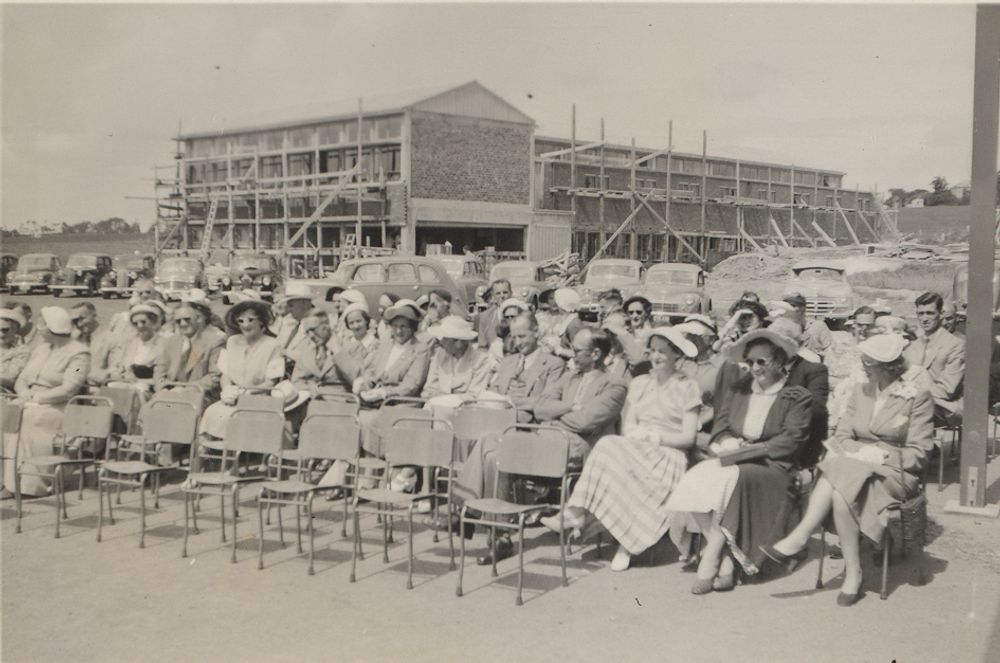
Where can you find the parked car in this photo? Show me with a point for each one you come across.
(177, 274)
(675, 290)
(35, 271)
(125, 270)
(407, 277)
(82, 275)
(960, 291)
(606, 273)
(825, 287)
(215, 272)
(468, 273)
(527, 278)
(8, 264)
(252, 271)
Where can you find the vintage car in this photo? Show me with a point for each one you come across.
(35, 271)
(606, 273)
(82, 275)
(527, 278)
(825, 287)
(8, 264)
(407, 277)
(468, 273)
(675, 290)
(125, 269)
(960, 291)
(253, 271)
(177, 274)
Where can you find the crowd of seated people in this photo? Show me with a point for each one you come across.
(674, 429)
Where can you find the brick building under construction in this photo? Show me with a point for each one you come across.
(464, 166)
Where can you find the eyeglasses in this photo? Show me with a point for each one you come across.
(245, 321)
(6, 330)
(143, 293)
(183, 319)
(638, 311)
(758, 362)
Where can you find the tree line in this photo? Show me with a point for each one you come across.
(940, 193)
(112, 225)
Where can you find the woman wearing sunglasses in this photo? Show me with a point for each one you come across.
(141, 356)
(13, 353)
(738, 500)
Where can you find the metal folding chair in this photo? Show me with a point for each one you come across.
(85, 417)
(951, 438)
(418, 440)
(323, 436)
(247, 431)
(166, 421)
(10, 424)
(473, 419)
(525, 450)
(124, 405)
(211, 449)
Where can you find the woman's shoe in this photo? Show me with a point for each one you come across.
(775, 556)
(724, 583)
(847, 600)
(702, 586)
(621, 560)
(568, 523)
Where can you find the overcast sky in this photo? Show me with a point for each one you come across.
(91, 95)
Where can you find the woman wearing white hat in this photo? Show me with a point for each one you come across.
(55, 372)
(142, 357)
(741, 501)
(13, 354)
(874, 458)
(458, 366)
(627, 478)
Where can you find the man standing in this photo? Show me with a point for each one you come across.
(816, 335)
(942, 355)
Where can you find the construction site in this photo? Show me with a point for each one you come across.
(461, 168)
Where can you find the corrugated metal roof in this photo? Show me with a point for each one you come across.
(469, 99)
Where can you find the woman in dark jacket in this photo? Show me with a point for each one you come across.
(740, 498)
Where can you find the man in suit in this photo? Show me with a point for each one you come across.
(486, 325)
(192, 355)
(297, 299)
(316, 362)
(943, 355)
(587, 401)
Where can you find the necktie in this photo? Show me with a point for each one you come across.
(320, 356)
(295, 330)
(185, 352)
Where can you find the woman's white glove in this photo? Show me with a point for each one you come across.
(230, 394)
(870, 454)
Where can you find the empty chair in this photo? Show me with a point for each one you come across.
(324, 436)
(524, 450)
(473, 419)
(85, 418)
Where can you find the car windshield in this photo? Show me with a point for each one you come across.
(672, 277)
(81, 262)
(820, 274)
(29, 263)
(514, 272)
(129, 262)
(452, 265)
(605, 271)
(252, 262)
(178, 266)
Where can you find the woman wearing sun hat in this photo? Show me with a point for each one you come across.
(738, 502)
(56, 371)
(874, 458)
(627, 478)
(141, 357)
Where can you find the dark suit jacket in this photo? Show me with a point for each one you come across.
(601, 406)
(546, 370)
(202, 364)
(786, 429)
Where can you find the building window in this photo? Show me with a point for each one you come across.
(329, 161)
(594, 182)
(301, 137)
(270, 167)
(729, 191)
(688, 166)
(388, 163)
(802, 199)
(829, 201)
(300, 164)
(761, 194)
(694, 190)
(724, 169)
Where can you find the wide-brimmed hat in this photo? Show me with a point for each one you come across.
(892, 323)
(610, 293)
(406, 308)
(567, 299)
(147, 309)
(883, 348)
(616, 323)
(353, 308)
(788, 328)
(795, 299)
(261, 308)
(291, 397)
(14, 316)
(674, 337)
(57, 320)
(294, 291)
(453, 326)
(247, 295)
(702, 319)
(694, 329)
(778, 309)
(516, 303)
(352, 296)
(735, 351)
(646, 304)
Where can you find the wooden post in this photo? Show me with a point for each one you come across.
(572, 163)
(634, 250)
(361, 176)
(703, 243)
(791, 206)
(600, 188)
(979, 336)
(670, 192)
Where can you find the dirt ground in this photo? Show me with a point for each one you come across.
(74, 599)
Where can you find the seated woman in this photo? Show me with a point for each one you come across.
(874, 459)
(13, 354)
(397, 368)
(743, 502)
(745, 316)
(141, 357)
(627, 478)
(458, 367)
(704, 369)
(251, 360)
(56, 371)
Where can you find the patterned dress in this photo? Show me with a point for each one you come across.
(627, 478)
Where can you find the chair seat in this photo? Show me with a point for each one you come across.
(500, 507)
(130, 467)
(213, 478)
(133, 439)
(55, 460)
(387, 496)
(288, 487)
(371, 463)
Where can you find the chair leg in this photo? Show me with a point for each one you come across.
(354, 548)
(343, 523)
(461, 555)
(312, 533)
(940, 486)
(493, 551)
(100, 504)
(562, 555)
(184, 550)
(17, 494)
(142, 510)
(111, 513)
(451, 541)
(921, 578)
(57, 489)
(520, 558)
(281, 525)
(822, 555)
(222, 513)
(385, 540)
(156, 489)
(260, 529)
(409, 542)
(886, 544)
(298, 528)
(236, 501)
(83, 480)
(194, 513)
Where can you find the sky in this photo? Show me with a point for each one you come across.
(93, 94)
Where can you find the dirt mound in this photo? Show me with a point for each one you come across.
(752, 266)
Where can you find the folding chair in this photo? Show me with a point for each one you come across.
(911, 515)
(323, 436)
(124, 405)
(951, 437)
(476, 418)
(10, 424)
(85, 417)
(418, 444)
(210, 448)
(175, 398)
(525, 450)
(247, 431)
(393, 409)
(166, 421)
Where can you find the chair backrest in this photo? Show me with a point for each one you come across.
(329, 436)
(10, 415)
(541, 451)
(474, 419)
(254, 431)
(341, 404)
(123, 399)
(260, 401)
(168, 420)
(182, 392)
(391, 412)
(413, 441)
(88, 416)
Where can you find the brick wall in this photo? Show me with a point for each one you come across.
(457, 158)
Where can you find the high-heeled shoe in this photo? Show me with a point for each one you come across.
(847, 600)
(724, 583)
(778, 560)
(702, 586)
(569, 523)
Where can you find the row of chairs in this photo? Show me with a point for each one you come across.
(330, 433)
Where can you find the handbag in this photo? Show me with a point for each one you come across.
(742, 455)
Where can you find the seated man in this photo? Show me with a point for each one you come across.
(316, 366)
(587, 402)
(943, 355)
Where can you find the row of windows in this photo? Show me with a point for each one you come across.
(331, 133)
(376, 162)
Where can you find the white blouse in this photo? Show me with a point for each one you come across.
(758, 408)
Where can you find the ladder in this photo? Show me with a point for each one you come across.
(206, 240)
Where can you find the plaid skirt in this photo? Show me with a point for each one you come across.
(625, 484)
